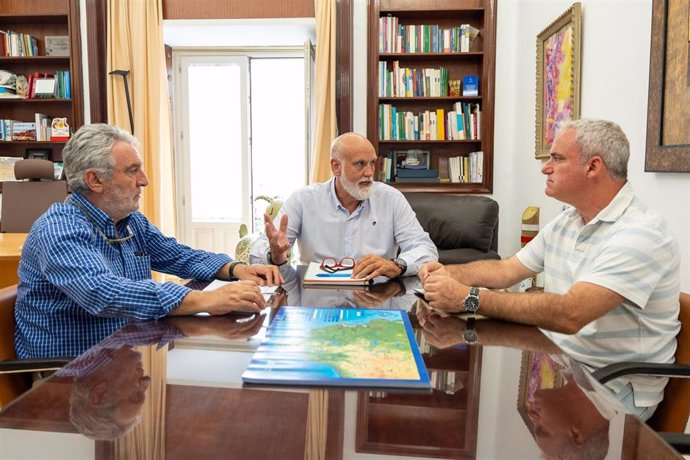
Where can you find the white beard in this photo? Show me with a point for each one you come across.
(354, 189)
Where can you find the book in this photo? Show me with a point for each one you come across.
(344, 347)
(470, 85)
(316, 276)
(417, 173)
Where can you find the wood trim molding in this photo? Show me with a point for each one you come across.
(96, 40)
(343, 71)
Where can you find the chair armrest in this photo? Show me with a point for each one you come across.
(612, 371)
(679, 441)
(10, 366)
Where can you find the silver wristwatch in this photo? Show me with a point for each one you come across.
(472, 301)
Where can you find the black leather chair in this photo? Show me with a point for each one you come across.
(463, 227)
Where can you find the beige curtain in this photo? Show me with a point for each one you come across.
(135, 43)
(326, 128)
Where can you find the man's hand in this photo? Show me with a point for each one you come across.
(442, 332)
(443, 292)
(238, 296)
(376, 294)
(263, 275)
(277, 239)
(432, 267)
(371, 266)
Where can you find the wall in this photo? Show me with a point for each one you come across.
(615, 67)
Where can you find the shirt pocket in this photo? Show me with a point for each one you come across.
(141, 268)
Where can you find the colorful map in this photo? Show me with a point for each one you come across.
(341, 347)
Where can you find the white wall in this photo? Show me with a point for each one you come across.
(615, 72)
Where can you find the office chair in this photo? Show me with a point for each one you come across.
(671, 416)
(15, 374)
(25, 200)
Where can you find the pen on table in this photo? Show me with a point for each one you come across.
(334, 275)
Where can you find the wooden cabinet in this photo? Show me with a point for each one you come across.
(41, 18)
(478, 61)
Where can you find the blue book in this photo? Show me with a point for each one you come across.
(343, 347)
(470, 85)
(417, 172)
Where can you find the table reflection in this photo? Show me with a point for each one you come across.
(172, 389)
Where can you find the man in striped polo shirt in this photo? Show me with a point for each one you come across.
(610, 264)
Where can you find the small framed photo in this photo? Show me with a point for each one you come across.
(57, 45)
(38, 154)
(411, 159)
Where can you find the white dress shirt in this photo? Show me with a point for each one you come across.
(324, 228)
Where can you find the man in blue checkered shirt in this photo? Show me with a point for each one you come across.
(86, 265)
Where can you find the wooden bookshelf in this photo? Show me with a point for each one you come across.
(479, 60)
(41, 18)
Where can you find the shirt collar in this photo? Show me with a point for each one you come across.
(615, 209)
(98, 216)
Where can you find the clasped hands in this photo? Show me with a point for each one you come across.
(369, 266)
(441, 290)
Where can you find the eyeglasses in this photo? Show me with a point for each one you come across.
(115, 240)
(95, 225)
(330, 265)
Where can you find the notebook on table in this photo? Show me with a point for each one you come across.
(316, 276)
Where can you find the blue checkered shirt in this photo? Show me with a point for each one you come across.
(76, 288)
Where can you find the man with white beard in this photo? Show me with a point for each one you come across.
(349, 216)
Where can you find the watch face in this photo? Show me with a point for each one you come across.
(471, 303)
(470, 336)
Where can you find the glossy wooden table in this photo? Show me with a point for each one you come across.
(10, 251)
(510, 396)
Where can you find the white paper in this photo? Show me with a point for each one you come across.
(267, 291)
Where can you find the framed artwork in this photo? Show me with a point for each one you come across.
(668, 118)
(538, 371)
(558, 77)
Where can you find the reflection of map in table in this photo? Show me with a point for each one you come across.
(341, 347)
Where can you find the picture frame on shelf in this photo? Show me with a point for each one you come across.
(411, 159)
(37, 154)
(668, 138)
(559, 57)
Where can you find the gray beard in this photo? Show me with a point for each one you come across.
(353, 189)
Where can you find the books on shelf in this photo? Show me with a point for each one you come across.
(315, 276)
(461, 123)
(17, 44)
(423, 38)
(339, 347)
(467, 169)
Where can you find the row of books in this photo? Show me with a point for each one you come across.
(48, 85)
(461, 123)
(423, 38)
(17, 44)
(407, 82)
(43, 128)
(467, 169)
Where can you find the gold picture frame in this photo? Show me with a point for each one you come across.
(668, 120)
(559, 54)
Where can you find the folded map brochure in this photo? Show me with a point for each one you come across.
(339, 347)
(316, 276)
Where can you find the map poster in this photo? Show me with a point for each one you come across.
(339, 347)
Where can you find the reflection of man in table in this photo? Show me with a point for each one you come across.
(393, 294)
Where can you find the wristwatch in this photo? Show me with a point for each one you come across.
(470, 334)
(402, 265)
(472, 301)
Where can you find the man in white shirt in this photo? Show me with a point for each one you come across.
(611, 267)
(350, 215)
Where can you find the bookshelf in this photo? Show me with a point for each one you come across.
(41, 18)
(477, 60)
